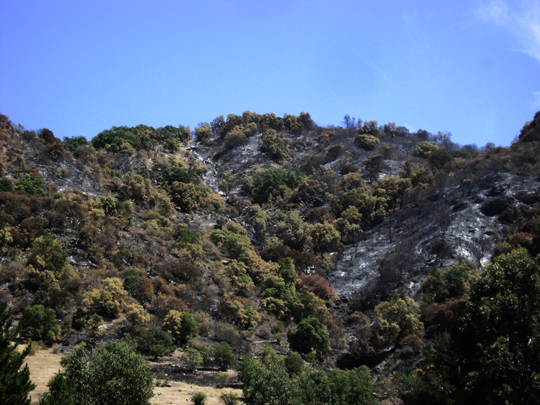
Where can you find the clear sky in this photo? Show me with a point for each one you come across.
(78, 67)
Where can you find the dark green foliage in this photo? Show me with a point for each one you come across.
(531, 130)
(15, 384)
(186, 235)
(310, 336)
(78, 146)
(267, 384)
(169, 176)
(272, 184)
(60, 393)
(148, 340)
(133, 284)
(39, 323)
(223, 355)
(31, 183)
(6, 185)
(114, 138)
(188, 328)
(293, 363)
(351, 386)
(112, 374)
(453, 284)
(494, 359)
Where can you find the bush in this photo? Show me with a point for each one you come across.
(199, 398)
(110, 375)
(39, 323)
(274, 145)
(310, 336)
(192, 358)
(228, 398)
(6, 185)
(155, 342)
(31, 183)
(60, 393)
(272, 184)
(223, 355)
(367, 142)
(181, 326)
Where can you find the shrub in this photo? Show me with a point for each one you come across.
(60, 393)
(110, 375)
(272, 184)
(367, 142)
(39, 323)
(192, 358)
(181, 326)
(229, 398)
(149, 340)
(310, 336)
(6, 185)
(223, 355)
(31, 183)
(199, 398)
(274, 145)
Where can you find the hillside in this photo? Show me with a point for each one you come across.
(254, 226)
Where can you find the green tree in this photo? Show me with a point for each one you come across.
(494, 358)
(397, 319)
(31, 183)
(223, 355)
(367, 142)
(6, 185)
(274, 145)
(46, 258)
(349, 387)
(293, 231)
(310, 336)
(325, 237)
(453, 284)
(294, 363)
(39, 323)
(185, 196)
(181, 326)
(60, 393)
(15, 384)
(112, 374)
(156, 342)
(271, 185)
(267, 384)
(192, 358)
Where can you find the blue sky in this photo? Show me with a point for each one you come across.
(78, 67)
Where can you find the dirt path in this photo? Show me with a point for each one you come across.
(45, 364)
